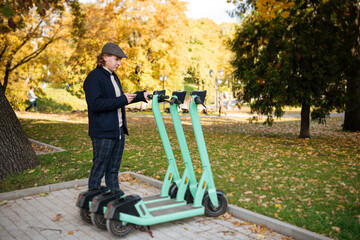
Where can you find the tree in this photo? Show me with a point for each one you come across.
(349, 20)
(152, 33)
(291, 59)
(28, 32)
(207, 50)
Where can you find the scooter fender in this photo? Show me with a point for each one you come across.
(100, 201)
(85, 197)
(122, 205)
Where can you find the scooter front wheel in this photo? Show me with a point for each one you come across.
(85, 215)
(98, 220)
(211, 210)
(118, 228)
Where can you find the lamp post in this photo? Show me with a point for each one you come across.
(211, 72)
(221, 72)
(163, 79)
(217, 86)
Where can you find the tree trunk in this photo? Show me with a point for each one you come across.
(16, 153)
(352, 112)
(305, 120)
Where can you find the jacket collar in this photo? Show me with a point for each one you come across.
(106, 72)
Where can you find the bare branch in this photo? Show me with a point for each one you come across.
(35, 53)
(3, 50)
(27, 37)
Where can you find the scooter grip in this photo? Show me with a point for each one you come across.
(163, 97)
(198, 100)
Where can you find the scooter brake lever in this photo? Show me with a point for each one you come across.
(198, 101)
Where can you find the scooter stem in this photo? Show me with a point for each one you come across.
(172, 172)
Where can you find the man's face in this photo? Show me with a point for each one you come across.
(112, 62)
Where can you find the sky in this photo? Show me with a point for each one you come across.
(213, 9)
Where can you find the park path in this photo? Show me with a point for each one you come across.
(54, 216)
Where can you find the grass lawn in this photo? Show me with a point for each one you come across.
(312, 183)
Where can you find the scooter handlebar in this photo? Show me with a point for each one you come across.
(175, 100)
(162, 98)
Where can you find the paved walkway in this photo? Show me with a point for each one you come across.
(54, 216)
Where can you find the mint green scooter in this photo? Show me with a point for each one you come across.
(130, 210)
(188, 186)
(172, 173)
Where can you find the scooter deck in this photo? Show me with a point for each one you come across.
(174, 210)
(164, 215)
(163, 204)
(155, 198)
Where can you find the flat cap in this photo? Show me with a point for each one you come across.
(113, 49)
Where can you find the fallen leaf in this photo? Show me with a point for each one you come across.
(236, 223)
(3, 202)
(43, 194)
(57, 217)
(336, 229)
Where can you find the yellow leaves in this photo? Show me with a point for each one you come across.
(269, 9)
(278, 207)
(31, 171)
(3, 203)
(258, 229)
(336, 229)
(43, 194)
(266, 187)
(341, 207)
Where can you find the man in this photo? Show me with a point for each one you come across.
(106, 112)
(32, 99)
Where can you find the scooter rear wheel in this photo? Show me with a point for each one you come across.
(85, 215)
(118, 228)
(211, 210)
(98, 220)
(173, 190)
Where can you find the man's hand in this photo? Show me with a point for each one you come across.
(130, 97)
(146, 95)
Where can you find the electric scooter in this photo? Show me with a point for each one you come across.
(188, 186)
(92, 203)
(130, 210)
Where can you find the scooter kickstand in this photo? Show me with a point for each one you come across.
(142, 229)
(150, 232)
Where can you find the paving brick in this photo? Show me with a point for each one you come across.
(36, 213)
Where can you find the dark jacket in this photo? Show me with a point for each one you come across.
(103, 104)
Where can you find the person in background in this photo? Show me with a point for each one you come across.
(106, 103)
(32, 99)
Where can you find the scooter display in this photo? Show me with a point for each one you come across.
(130, 210)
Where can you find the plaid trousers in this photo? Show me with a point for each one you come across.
(107, 155)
